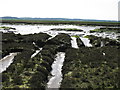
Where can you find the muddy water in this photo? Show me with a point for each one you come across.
(31, 29)
(74, 42)
(56, 78)
(37, 51)
(6, 61)
(86, 42)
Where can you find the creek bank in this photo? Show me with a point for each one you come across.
(47, 58)
(13, 76)
(27, 72)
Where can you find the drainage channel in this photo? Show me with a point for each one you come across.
(37, 51)
(74, 42)
(86, 42)
(6, 61)
(56, 78)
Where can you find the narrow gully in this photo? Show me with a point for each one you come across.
(56, 78)
(6, 61)
(74, 42)
(37, 51)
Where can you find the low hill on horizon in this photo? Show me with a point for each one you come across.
(54, 19)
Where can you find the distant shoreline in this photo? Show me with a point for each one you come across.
(56, 22)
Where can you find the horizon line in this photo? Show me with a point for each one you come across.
(58, 18)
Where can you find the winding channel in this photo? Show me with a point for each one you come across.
(55, 80)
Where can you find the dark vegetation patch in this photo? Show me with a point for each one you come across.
(7, 28)
(26, 72)
(100, 42)
(23, 68)
(90, 68)
(16, 42)
(116, 30)
(66, 29)
(60, 22)
(63, 41)
(118, 38)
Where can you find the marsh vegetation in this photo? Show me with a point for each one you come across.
(91, 55)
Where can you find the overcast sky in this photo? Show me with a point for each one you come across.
(81, 9)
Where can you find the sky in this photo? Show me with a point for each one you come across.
(78, 9)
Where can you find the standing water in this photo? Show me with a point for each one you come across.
(56, 78)
(86, 42)
(6, 61)
(37, 51)
(74, 42)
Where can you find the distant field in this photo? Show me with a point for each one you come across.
(13, 21)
